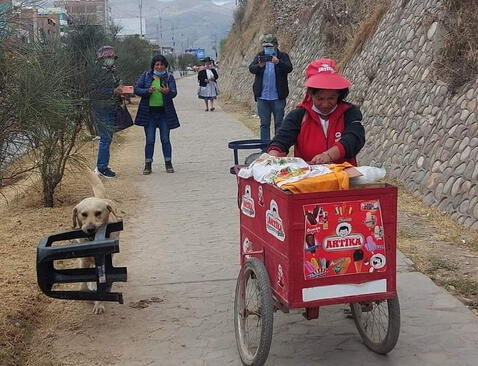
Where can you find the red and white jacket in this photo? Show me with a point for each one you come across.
(303, 129)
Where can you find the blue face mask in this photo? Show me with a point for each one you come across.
(160, 73)
(269, 51)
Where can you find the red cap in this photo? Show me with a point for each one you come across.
(322, 74)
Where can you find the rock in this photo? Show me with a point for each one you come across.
(455, 189)
(460, 169)
(464, 114)
(420, 161)
(439, 191)
(475, 211)
(466, 153)
(432, 30)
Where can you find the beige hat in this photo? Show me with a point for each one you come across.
(268, 40)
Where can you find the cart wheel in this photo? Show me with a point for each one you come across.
(378, 323)
(253, 313)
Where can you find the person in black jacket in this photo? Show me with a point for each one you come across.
(207, 84)
(270, 67)
(105, 99)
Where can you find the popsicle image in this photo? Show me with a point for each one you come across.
(358, 260)
(309, 268)
(315, 263)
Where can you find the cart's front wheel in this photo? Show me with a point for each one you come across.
(253, 313)
(378, 323)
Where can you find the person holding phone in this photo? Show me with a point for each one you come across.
(271, 88)
(157, 88)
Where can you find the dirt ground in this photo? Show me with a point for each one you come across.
(440, 248)
(25, 313)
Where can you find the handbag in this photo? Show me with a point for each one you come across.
(123, 118)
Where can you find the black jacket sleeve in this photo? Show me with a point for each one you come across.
(353, 137)
(284, 65)
(254, 67)
(287, 134)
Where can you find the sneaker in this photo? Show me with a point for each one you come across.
(106, 173)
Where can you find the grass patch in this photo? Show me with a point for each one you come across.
(437, 263)
(458, 58)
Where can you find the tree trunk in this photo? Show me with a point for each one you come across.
(48, 192)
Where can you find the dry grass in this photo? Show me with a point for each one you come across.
(24, 222)
(347, 25)
(366, 29)
(458, 59)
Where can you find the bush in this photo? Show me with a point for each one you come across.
(458, 59)
(240, 12)
(134, 57)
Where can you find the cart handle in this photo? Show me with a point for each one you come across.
(246, 145)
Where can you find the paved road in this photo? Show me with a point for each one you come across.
(183, 249)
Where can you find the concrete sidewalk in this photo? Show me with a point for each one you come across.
(182, 248)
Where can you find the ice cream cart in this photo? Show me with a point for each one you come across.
(314, 249)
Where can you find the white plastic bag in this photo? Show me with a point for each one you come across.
(370, 174)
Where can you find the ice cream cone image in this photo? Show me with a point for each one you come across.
(358, 266)
(358, 260)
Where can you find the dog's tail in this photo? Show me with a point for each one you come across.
(96, 184)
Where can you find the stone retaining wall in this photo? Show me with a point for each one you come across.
(423, 135)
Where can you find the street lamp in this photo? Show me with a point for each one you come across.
(141, 19)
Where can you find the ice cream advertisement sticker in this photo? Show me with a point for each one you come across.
(274, 224)
(247, 204)
(343, 238)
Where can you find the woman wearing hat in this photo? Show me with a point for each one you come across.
(207, 84)
(323, 128)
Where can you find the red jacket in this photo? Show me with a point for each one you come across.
(303, 129)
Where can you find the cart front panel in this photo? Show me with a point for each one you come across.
(322, 248)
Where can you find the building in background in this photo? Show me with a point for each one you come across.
(58, 14)
(5, 7)
(96, 12)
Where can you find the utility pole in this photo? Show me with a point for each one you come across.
(141, 19)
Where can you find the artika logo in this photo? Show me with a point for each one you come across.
(247, 204)
(326, 68)
(336, 243)
(344, 240)
(274, 224)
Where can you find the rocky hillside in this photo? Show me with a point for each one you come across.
(413, 76)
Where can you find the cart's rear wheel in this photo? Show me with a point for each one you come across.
(253, 313)
(378, 323)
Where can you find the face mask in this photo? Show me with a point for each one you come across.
(108, 62)
(269, 51)
(160, 73)
(324, 114)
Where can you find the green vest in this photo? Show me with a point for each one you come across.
(156, 98)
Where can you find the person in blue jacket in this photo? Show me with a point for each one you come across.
(157, 88)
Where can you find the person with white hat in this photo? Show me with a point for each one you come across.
(324, 128)
(271, 88)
